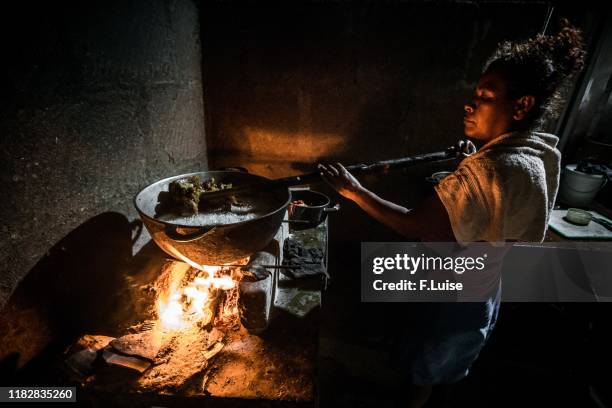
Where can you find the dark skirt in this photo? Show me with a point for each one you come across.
(441, 341)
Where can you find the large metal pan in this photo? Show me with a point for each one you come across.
(221, 244)
(228, 243)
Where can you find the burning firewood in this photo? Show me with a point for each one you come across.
(189, 296)
(145, 345)
(191, 318)
(210, 353)
(132, 363)
(89, 341)
(83, 353)
(186, 356)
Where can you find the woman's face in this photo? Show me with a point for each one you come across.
(490, 113)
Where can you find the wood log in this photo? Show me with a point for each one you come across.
(83, 353)
(145, 345)
(133, 363)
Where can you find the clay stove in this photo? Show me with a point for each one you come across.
(225, 332)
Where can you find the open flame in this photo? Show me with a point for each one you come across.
(192, 296)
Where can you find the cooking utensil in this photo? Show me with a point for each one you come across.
(380, 166)
(229, 242)
(607, 225)
(312, 212)
(214, 244)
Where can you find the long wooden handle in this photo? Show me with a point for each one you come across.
(380, 166)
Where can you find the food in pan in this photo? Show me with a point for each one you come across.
(211, 185)
(184, 195)
(299, 202)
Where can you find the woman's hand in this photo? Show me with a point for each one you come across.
(464, 148)
(337, 176)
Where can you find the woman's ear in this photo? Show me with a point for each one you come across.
(522, 106)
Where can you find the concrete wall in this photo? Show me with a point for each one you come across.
(98, 100)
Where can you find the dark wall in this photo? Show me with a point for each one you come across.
(98, 99)
(288, 86)
(291, 84)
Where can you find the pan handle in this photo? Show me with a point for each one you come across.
(297, 222)
(332, 209)
(173, 233)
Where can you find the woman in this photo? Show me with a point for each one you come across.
(503, 192)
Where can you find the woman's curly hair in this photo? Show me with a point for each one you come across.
(540, 67)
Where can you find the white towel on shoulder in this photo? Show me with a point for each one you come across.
(505, 191)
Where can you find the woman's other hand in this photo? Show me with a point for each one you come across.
(464, 148)
(337, 176)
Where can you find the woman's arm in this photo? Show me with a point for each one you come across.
(429, 221)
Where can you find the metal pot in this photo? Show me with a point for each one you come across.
(312, 212)
(218, 244)
(579, 189)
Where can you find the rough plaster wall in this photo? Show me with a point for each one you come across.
(98, 100)
(289, 86)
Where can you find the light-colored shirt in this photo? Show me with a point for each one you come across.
(505, 191)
